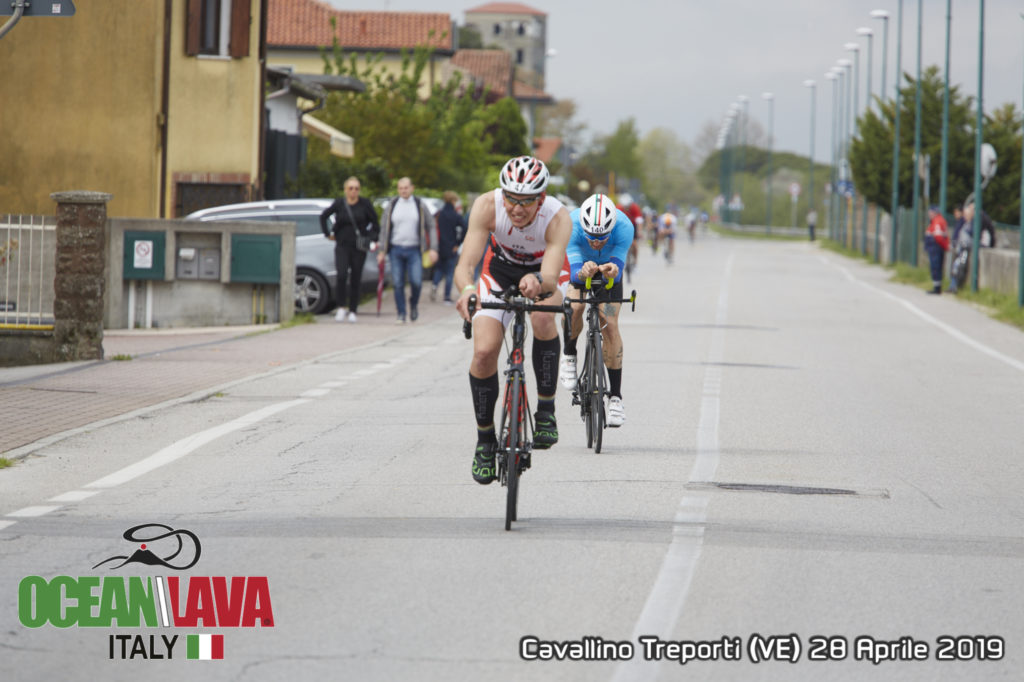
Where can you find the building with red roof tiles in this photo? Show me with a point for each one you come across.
(297, 31)
(486, 69)
(520, 30)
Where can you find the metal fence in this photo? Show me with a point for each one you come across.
(27, 268)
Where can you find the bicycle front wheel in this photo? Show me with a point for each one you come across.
(515, 421)
(597, 388)
(583, 389)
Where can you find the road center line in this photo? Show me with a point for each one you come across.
(665, 602)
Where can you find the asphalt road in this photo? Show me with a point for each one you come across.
(811, 454)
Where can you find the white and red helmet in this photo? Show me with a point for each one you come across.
(598, 215)
(524, 175)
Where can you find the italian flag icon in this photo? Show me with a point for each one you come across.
(205, 647)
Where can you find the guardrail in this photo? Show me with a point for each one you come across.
(27, 247)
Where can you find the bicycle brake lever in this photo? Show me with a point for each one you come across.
(467, 325)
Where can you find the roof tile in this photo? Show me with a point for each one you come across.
(505, 8)
(494, 67)
(306, 23)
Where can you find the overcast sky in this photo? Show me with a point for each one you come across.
(678, 64)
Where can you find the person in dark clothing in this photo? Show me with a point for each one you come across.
(355, 233)
(451, 228)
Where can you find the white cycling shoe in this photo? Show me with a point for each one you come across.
(616, 412)
(567, 372)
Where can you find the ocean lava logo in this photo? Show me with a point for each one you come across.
(143, 555)
(150, 602)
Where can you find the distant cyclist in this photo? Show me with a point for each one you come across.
(525, 233)
(667, 233)
(601, 237)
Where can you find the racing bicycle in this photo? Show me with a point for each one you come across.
(592, 381)
(515, 436)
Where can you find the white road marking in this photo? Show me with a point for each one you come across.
(28, 512)
(179, 449)
(74, 496)
(315, 393)
(5, 524)
(952, 331)
(665, 602)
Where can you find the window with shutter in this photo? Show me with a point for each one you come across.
(217, 27)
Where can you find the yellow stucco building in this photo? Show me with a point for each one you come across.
(158, 102)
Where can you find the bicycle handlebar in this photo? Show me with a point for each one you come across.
(511, 300)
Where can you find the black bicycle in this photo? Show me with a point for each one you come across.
(592, 380)
(515, 436)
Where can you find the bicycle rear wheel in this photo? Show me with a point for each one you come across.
(514, 443)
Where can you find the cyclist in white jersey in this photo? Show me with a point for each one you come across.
(525, 233)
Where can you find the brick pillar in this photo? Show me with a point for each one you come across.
(78, 285)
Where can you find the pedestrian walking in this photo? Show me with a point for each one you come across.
(451, 230)
(409, 239)
(812, 221)
(354, 233)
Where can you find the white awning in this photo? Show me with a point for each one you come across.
(341, 144)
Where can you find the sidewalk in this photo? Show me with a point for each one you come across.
(41, 402)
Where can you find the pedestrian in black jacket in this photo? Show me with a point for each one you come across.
(355, 233)
(451, 228)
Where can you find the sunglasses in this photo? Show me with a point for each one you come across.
(596, 240)
(520, 202)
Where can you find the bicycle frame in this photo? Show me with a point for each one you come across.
(515, 434)
(592, 380)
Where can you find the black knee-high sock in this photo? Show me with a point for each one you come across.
(615, 382)
(545, 369)
(485, 396)
(569, 343)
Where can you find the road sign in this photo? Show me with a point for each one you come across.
(794, 190)
(39, 8)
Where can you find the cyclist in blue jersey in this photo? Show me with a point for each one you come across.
(600, 241)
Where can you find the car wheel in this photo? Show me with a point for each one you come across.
(311, 292)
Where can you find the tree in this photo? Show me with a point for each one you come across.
(669, 172)
(871, 151)
(506, 128)
(469, 38)
(447, 141)
(1001, 199)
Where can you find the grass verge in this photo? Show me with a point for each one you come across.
(4, 462)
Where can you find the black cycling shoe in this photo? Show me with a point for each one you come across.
(485, 469)
(545, 433)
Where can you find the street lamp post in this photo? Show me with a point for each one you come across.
(869, 34)
(978, 138)
(855, 49)
(917, 144)
(945, 117)
(771, 123)
(810, 172)
(744, 100)
(896, 133)
(847, 175)
(884, 16)
(832, 76)
(1020, 262)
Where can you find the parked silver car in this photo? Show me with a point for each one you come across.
(315, 273)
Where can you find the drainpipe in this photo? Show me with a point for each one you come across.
(165, 96)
